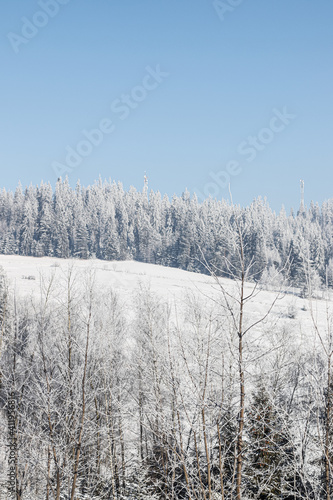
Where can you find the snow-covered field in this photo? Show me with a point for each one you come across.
(25, 275)
(273, 347)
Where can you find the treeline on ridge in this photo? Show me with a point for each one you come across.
(107, 222)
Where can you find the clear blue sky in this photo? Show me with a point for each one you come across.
(227, 73)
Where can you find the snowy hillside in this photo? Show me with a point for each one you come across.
(27, 274)
(110, 223)
(165, 345)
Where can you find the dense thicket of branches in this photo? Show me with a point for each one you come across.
(109, 223)
(143, 404)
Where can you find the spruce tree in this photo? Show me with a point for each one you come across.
(327, 457)
(271, 456)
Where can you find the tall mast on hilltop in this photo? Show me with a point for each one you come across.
(302, 196)
(145, 185)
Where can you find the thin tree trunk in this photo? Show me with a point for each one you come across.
(122, 445)
(78, 446)
(239, 463)
(183, 457)
(48, 473)
(327, 431)
(98, 439)
(207, 453)
(220, 461)
(110, 441)
(198, 465)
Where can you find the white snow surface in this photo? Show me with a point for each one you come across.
(25, 275)
(288, 325)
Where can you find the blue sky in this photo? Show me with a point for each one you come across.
(189, 91)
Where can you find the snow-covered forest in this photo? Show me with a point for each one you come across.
(137, 396)
(220, 391)
(106, 222)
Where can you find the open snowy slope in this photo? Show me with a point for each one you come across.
(24, 274)
(170, 284)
